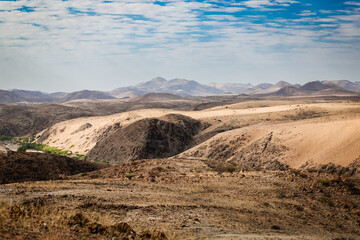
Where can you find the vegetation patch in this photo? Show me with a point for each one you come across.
(129, 176)
(43, 148)
(6, 138)
(42, 219)
(325, 182)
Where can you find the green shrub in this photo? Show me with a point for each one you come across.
(34, 146)
(43, 148)
(6, 138)
(325, 182)
(230, 169)
(129, 176)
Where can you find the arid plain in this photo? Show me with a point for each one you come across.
(260, 168)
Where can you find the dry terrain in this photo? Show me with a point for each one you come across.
(295, 133)
(183, 199)
(195, 168)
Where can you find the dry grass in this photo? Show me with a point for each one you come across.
(43, 218)
(184, 202)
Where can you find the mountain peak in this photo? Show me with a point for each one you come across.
(316, 86)
(158, 79)
(282, 84)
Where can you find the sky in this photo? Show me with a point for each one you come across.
(69, 45)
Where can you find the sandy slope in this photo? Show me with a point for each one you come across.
(313, 141)
(323, 141)
(65, 134)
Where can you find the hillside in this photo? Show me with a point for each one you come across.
(274, 88)
(296, 144)
(24, 167)
(147, 138)
(289, 91)
(231, 87)
(345, 84)
(19, 120)
(318, 86)
(24, 96)
(177, 86)
(86, 94)
(130, 135)
(156, 97)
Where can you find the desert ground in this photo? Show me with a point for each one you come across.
(267, 168)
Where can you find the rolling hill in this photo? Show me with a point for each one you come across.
(86, 94)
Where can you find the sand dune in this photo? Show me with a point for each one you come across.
(66, 135)
(303, 142)
(321, 140)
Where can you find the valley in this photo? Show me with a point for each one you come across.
(165, 167)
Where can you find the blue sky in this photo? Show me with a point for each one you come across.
(53, 45)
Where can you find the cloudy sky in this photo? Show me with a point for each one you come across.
(68, 45)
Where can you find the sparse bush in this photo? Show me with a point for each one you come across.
(6, 138)
(230, 169)
(298, 173)
(34, 146)
(222, 167)
(44, 148)
(129, 176)
(159, 169)
(326, 200)
(325, 182)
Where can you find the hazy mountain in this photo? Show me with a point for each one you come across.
(177, 86)
(9, 97)
(318, 86)
(311, 88)
(152, 85)
(34, 96)
(86, 94)
(239, 88)
(24, 96)
(264, 85)
(126, 92)
(274, 88)
(183, 88)
(154, 97)
(231, 87)
(290, 91)
(257, 88)
(347, 85)
(58, 94)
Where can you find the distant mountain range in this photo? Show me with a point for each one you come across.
(186, 88)
(177, 86)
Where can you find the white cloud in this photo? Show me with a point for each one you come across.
(262, 3)
(137, 38)
(306, 13)
(352, 3)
